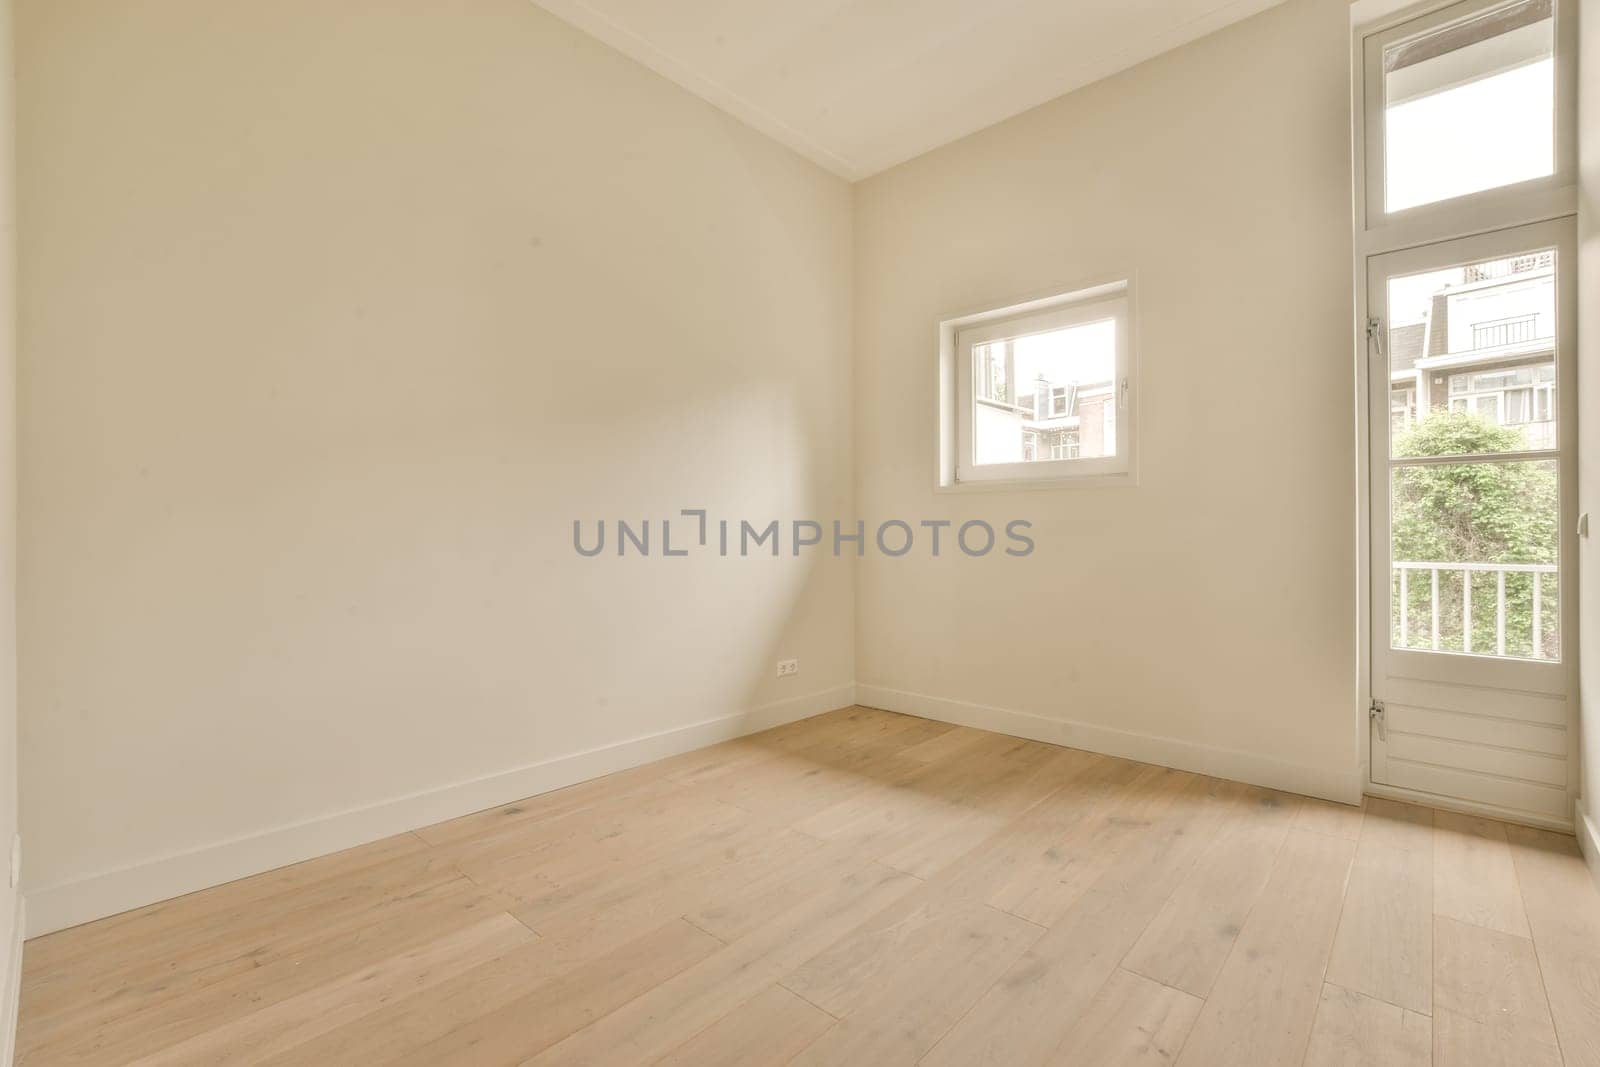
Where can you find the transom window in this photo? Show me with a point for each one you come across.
(1461, 102)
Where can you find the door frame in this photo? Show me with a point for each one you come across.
(1511, 676)
(1372, 234)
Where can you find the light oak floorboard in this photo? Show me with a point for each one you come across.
(152, 1016)
(1563, 909)
(62, 954)
(893, 1004)
(1026, 1016)
(1384, 946)
(862, 887)
(1326, 817)
(529, 991)
(1490, 1006)
(1132, 1022)
(662, 1019)
(1186, 944)
(334, 1004)
(1473, 877)
(1261, 1008)
(771, 1028)
(1354, 1030)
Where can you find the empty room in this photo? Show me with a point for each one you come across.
(870, 533)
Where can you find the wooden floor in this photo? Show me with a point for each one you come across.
(864, 888)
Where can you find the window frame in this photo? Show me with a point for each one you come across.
(1505, 205)
(1111, 300)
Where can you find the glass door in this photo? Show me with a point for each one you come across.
(1471, 433)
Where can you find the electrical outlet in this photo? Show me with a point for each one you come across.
(787, 667)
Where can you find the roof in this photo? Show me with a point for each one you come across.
(1405, 345)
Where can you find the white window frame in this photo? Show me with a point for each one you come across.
(1097, 302)
(1487, 209)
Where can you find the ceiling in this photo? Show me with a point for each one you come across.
(860, 85)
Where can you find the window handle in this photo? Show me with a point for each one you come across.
(1122, 395)
(1375, 335)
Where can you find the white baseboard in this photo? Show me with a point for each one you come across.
(12, 991)
(1588, 838)
(1341, 786)
(95, 896)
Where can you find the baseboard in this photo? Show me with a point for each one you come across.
(96, 896)
(1247, 767)
(1588, 838)
(13, 984)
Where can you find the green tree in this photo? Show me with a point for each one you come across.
(1473, 513)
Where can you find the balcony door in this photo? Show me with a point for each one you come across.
(1472, 431)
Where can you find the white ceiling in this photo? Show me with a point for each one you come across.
(860, 85)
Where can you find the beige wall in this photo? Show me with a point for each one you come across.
(335, 316)
(1210, 611)
(8, 508)
(1589, 405)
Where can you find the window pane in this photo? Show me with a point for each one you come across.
(1063, 405)
(1470, 106)
(1469, 374)
(1474, 550)
(989, 371)
(1519, 404)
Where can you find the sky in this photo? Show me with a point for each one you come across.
(1086, 353)
(1486, 133)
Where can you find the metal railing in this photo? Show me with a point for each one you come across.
(1406, 571)
(1504, 331)
(1504, 268)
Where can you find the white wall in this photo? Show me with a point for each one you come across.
(335, 317)
(1205, 618)
(1589, 425)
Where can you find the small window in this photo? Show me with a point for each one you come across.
(1043, 390)
(1544, 399)
(1402, 409)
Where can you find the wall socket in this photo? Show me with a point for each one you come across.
(787, 667)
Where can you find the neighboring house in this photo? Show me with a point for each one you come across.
(1044, 420)
(1486, 345)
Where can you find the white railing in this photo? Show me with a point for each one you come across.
(1407, 569)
